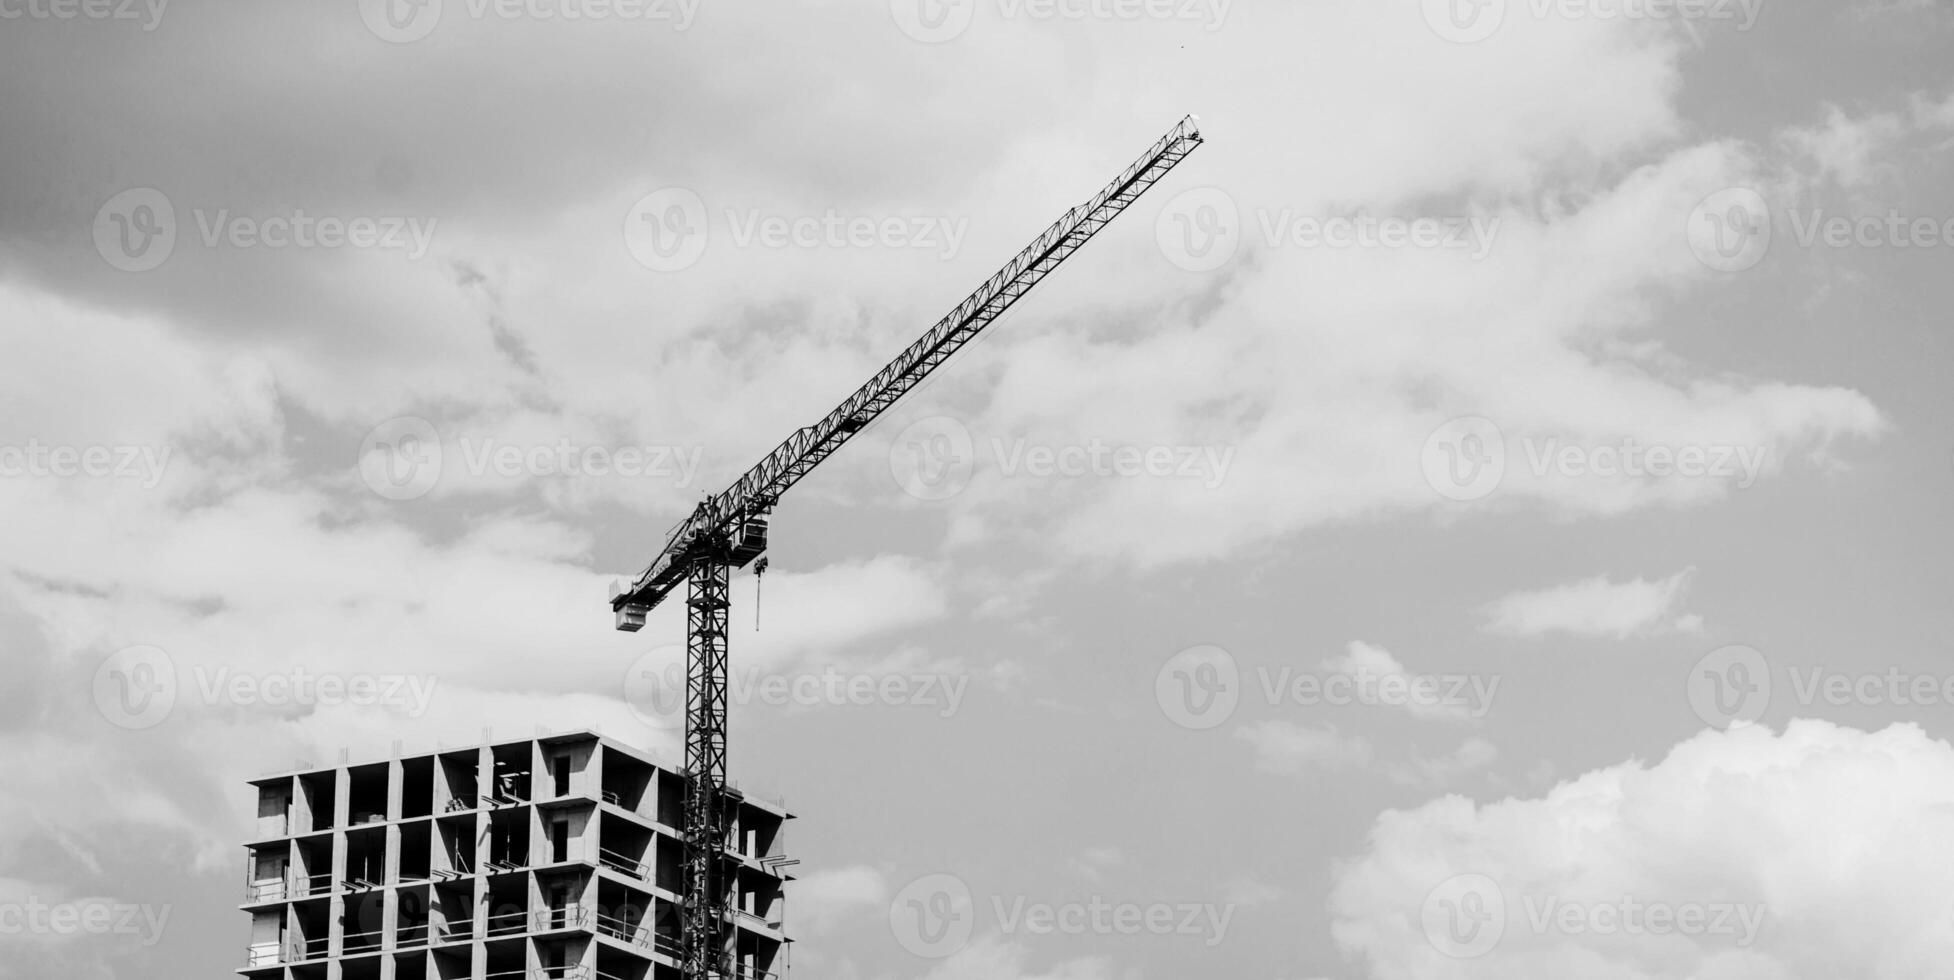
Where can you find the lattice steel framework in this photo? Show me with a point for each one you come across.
(729, 530)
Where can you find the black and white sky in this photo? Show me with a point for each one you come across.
(1484, 514)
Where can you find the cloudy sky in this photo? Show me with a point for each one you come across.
(1482, 515)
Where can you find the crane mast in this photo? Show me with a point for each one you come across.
(729, 530)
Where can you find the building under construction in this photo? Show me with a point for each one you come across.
(550, 858)
(572, 856)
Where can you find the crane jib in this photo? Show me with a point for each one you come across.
(731, 526)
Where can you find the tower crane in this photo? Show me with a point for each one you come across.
(729, 530)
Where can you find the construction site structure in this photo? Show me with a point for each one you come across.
(729, 530)
(557, 857)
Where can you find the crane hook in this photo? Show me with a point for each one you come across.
(759, 569)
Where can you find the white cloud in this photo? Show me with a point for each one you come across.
(1372, 666)
(1286, 747)
(1801, 826)
(1598, 606)
(1472, 755)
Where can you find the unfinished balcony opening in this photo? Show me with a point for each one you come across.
(451, 912)
(627, 782)
(417, 788)
(366, 858)
(364, 923)
(626, 848)
(562, 957)
(508, 959)
(312, 866)
(762, 833)
(311, 938)
(567, 766)
(566, 892)
(456, 789)
(758, 899)
(508, 841)
(615, 964)
(625, 914)
(274, 808)
(455, 964)
(510, 786)
(416, 851)
(311, 971)
(410, 966)
(267, 947)
(411, 907)
(670, 863)
(507, 907)
(361, 968)
(454, 855)
(755, 958)
(316, 794)
(670, 805)
(568, 834)
(366, 797)
(267, 868)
